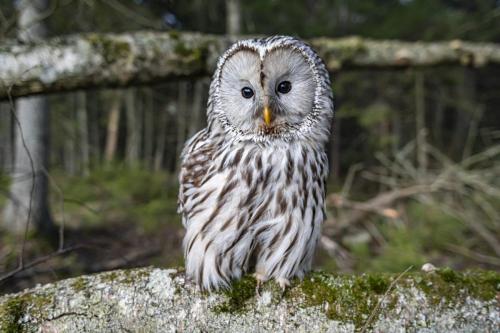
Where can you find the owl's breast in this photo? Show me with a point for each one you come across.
(252, 196)
(251, 183)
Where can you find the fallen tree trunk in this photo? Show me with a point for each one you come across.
(99, 60)
(161, 300)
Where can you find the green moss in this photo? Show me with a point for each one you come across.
(79, 284)
(15, 308)
(343, 51)
(190, 57)
(377, 283)
(354, 298)
(192, 54)
(449, 286)
(174, 34)
(130, 276)
(111, 49)
(238, 295)
(10, 314)
(351, 298)
(346, 298)
(109, 277)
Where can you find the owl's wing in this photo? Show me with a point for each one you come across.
(195, 162)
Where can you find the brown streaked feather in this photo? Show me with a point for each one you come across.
(196, 161)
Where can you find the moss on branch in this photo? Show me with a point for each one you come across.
(100, 60)
(152, 298)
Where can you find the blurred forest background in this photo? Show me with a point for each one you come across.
(414, 155)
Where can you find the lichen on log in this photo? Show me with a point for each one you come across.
(162, 300)
(100, 60)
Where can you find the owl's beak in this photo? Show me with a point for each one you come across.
(267, 115)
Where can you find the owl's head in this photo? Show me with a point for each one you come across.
(271, 88)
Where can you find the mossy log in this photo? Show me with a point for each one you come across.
(99, 60)
(162, 300)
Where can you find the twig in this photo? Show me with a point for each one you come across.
(342, 257)
(378, 205)
(124, 10)
(37, 262)
(346, 188)
(382, 299)
(81, 203)
(479, 257)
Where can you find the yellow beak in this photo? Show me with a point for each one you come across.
(267, 115)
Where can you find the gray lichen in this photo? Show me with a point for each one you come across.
(162, 300)
(100, 60)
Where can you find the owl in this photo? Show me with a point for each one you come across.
(252, 183)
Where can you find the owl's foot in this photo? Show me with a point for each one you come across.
(283, 283)
(260, 280)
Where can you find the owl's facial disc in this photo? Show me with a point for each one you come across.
(266, 95)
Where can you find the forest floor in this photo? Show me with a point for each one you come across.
(120, 217)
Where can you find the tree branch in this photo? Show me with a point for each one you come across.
(152, 300)
(103, 60)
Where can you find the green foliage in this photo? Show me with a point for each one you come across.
(414, 20)
(423, 239)
(122, 195)
(403, 250)
(4, 186)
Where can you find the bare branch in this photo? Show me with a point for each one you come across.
(100, 60)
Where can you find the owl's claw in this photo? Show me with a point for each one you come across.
(283, 283)
(257, 288)
(260, 280)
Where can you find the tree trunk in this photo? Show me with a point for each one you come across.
(69, 149)
(5, 137)
(164, 300)
(233, 17)
(83, 132)
(93, 108)
(334, 158)
(113, 126)
(28, 204)
(149, 128)
(134, 129)
(465, 92)
(196, 114)
(420, 128)
(437, 123)
(181, 119)
(161, 139)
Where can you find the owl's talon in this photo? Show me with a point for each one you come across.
(260, 280)
(283, 283)
(257, 288)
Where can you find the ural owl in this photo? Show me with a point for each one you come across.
(252, 183)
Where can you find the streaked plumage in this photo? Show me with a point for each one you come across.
(252, 193)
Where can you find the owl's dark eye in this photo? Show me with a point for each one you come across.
(284, 87)
(247, 92)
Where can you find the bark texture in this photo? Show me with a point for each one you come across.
(161, 300)
(98, 60)
(28, 194)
